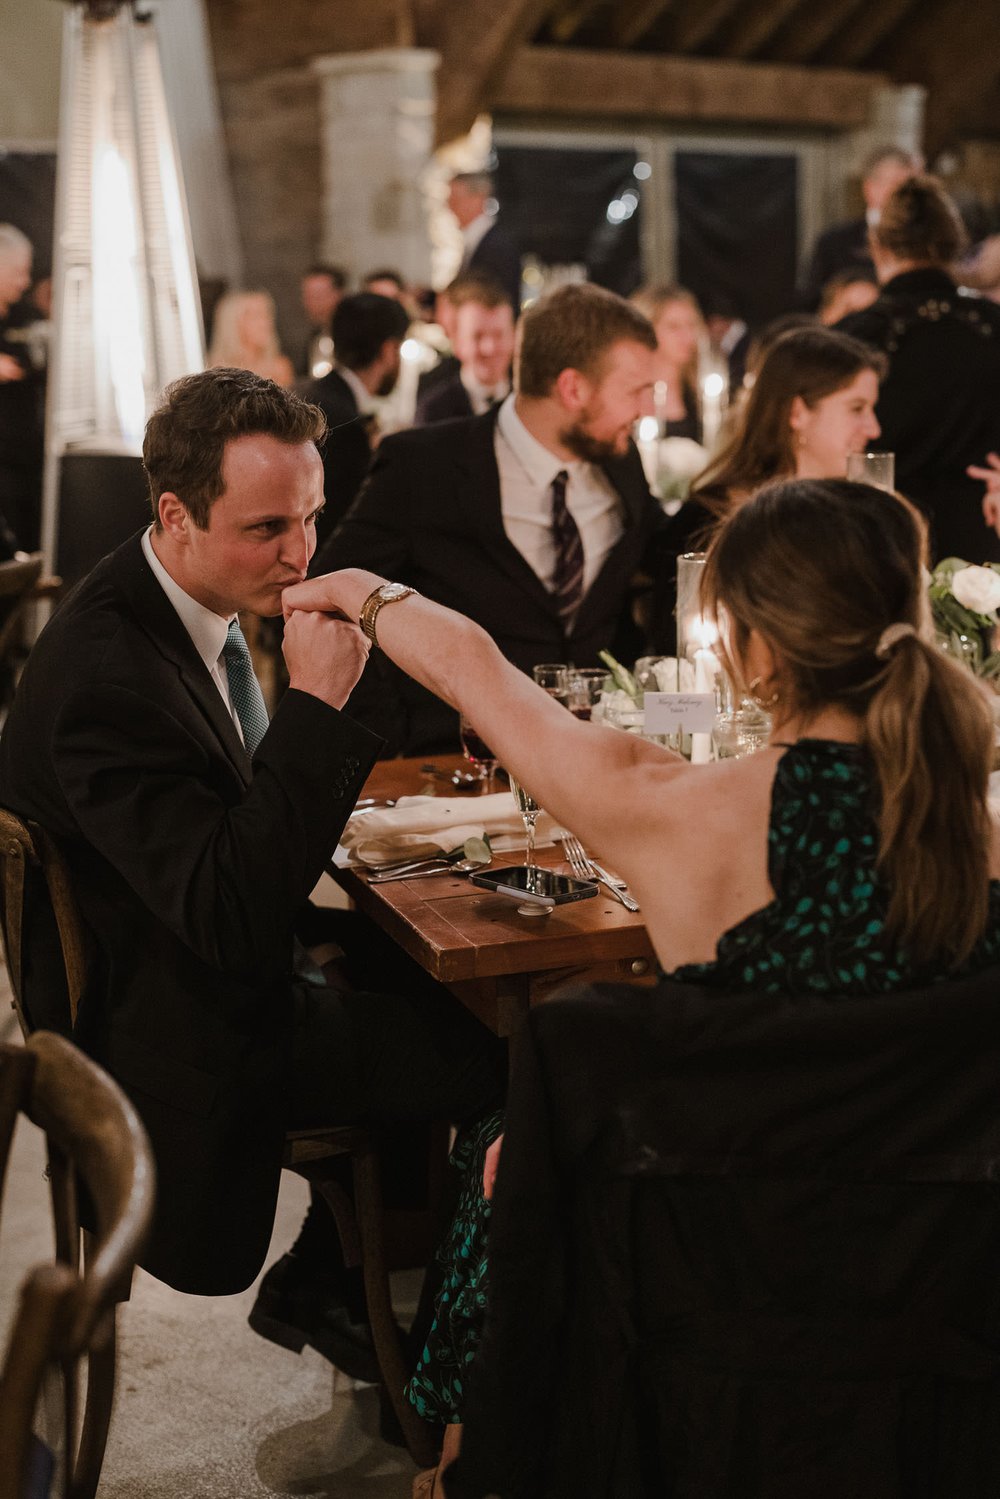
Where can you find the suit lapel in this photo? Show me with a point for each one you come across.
(157, 618)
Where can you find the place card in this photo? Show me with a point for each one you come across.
(679, 712)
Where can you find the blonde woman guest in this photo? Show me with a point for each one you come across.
(244, 337)
(679, 327)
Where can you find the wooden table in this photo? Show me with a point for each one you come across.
(497, 962)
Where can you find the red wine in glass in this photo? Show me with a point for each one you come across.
(581, 711)
(475, 749)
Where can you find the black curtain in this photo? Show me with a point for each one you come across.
(574, 206)
(737, 231)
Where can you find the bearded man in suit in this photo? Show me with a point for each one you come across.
(194, 831)
(534, 519)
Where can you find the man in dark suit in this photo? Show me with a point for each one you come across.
(195, 830)
(533, 519)
(489, 249)
(484, 343)
(368, 332)
(844, 246)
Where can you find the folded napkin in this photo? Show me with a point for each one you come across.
(421, 825)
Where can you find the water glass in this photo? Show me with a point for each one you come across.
(878, 469)
(742, 732)
(554, 677)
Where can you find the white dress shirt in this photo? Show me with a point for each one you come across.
(482, 397)
(359, 390)
(526, 470)
(472, 234)
(207, 630)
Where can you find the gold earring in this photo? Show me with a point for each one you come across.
(764, 703)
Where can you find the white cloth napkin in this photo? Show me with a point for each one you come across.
(421, 825)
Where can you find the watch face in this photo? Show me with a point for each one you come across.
(394, 591)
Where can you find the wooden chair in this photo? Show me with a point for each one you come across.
(67, 1314)
(21, 582)
(26, 852)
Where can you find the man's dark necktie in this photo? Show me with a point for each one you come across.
(244, 689)
(567, 578)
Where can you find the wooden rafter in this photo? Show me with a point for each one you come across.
(476, 40)
(559, 81)
(856, 43)
(633, 18)
(809, 32)
(954, 51)
(565, 22)
(755, 24)
(697, 20)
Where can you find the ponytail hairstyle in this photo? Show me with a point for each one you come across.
(821, 568)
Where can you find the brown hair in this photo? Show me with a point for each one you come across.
(812, 363)
(921, 222)
(820, 568)
(573, 328)
(187, 433)
(482, 290)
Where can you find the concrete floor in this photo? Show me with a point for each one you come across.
(205, 1408)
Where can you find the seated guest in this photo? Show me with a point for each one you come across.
(812, 402)
(867, 811)
(937, 406)
(483, 341)
(244, 337)
(194, 831)
(532, 519)
(679, 328)
(368, 332)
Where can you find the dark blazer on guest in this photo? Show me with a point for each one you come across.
(842, 247)
(190, 866)
(496, 255)
(443, 402)
(347, 449)
(939, 405)
(429, 515)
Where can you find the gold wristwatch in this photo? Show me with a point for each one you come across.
(386, 593)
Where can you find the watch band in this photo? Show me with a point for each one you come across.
(386, 593)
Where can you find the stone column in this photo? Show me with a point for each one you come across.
(895, 118)
(377, 136)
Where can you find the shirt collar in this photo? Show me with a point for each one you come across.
(207, 630)
(539, 464)
(483, 392)
(477, 230)
(358, 389)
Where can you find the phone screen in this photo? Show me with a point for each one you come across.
(541, 883)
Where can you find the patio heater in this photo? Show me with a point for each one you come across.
(126, 313)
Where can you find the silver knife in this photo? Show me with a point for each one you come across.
(617, 887)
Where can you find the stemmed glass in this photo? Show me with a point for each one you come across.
(529, 810)
(478, 753)
(878, 469)
(554, 677)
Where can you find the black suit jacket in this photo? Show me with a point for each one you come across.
(939, 405)
(190, 867)
(444, 402)
(496, 255)
(347, 449)
(842, 247)
(429, 515)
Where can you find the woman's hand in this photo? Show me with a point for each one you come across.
(490, 1167)
(991, 478)
(341, 593)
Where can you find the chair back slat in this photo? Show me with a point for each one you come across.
(26, 847)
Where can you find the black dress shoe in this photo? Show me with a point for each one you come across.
(297, 1305)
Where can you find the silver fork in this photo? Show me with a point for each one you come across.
(584, 869)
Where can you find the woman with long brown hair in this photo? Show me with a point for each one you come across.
(855, 854)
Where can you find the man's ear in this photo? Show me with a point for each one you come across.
(573, 389)
(175, 518)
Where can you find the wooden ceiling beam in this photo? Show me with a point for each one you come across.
(755, 25)
(567, 20)
(856, 43)
(697, 20)
(633, 18)
(477, 39)
(553, 81)
(810, 31)
(954, 51)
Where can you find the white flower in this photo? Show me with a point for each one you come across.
(682, 456)
(977, 588)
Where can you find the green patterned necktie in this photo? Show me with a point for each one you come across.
(244, 689)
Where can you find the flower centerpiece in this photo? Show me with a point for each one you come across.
(964, 603)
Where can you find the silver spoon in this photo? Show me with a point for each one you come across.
(456, 866)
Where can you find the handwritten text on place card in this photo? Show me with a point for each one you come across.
(676, 712)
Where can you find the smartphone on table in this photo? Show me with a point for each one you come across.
(542, 885)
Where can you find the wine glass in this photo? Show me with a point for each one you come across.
(529, 810)
(478, 753)
(554, 677)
